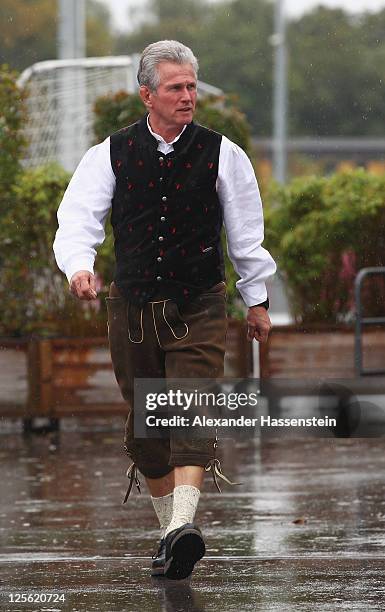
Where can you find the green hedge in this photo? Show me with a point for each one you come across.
(322, 230)
(12, 142)
(33, 293)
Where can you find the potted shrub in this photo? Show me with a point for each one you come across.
(322, 230)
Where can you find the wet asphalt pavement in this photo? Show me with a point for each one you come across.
(305, 530)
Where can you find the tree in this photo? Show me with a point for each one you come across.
(231, 40)
(12, 141)
(335, 61)
(335, 86)
(22, 23)
(100, 40)
(193, 10)
(28, 31)
(238, 57)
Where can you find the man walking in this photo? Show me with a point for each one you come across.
(171, 184)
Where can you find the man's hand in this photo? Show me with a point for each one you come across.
(258, 323)
(83, 285)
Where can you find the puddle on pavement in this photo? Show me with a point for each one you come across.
(305, 529)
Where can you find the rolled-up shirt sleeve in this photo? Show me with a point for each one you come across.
(239, 196)
(83, 211)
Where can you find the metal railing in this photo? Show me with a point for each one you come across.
(362, 321)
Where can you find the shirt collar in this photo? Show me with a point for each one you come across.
(160, 138)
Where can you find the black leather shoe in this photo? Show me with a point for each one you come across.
(184, 547)
(159, 558)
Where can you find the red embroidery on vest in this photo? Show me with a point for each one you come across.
(189, 165)
(118, 163)
(140, 162)
(177, 186)
(151, 184)
(210, 165)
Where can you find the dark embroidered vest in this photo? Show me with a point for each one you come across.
(166, 215)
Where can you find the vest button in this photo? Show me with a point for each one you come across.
(164, 199)
(159, 259)
(160, 238)
(163, 218)
(161, 179)
(161, 159)
(158, 278)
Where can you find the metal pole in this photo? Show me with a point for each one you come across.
(280, 307)
(72, 97)
(71, 29)
(280, 94)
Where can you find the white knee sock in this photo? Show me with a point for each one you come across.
(163, 507)
(186, 498)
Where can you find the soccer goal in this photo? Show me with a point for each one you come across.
(60, 99)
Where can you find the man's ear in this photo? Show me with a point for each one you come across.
(145, 94)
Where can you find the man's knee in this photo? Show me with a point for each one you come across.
(151, 457)
(188, 451)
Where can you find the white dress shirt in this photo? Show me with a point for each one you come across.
(86, 203)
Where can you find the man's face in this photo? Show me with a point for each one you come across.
(173, 103)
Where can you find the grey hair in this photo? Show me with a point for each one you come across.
(163, 51)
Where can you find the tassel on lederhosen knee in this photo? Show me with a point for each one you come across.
(214, 465)
(132, 475)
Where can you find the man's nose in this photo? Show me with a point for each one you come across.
(187, 93)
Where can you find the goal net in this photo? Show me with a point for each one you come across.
(60, 99)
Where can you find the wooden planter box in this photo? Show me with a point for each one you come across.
(59, 377)
(318, 351)
(318, 362)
